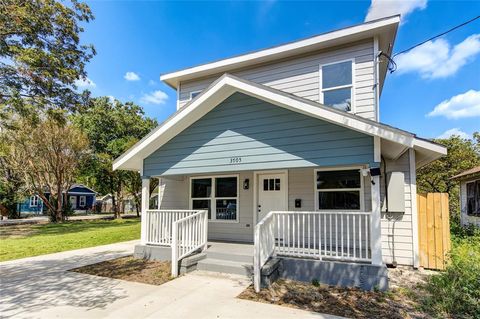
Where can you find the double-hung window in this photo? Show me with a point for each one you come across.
(218, 195)
(33, 201)
(336, 81)
(473, 198)
(83, 201)
(339, 190)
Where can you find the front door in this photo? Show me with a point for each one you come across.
(272, 193)
(73, 202)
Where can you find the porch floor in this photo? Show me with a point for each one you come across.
(230, 248)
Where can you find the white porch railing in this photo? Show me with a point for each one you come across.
(189, 235)
(331, 235)
(159, 225)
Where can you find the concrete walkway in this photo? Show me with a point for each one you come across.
(41, 287)
(44, 219)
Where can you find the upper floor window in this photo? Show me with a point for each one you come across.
(337, 85)
(33, 201)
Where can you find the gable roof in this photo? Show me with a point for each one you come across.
(384, 29)
(226, 85)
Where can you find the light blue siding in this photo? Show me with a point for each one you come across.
(257, 135)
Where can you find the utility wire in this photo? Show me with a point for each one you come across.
(437, 36)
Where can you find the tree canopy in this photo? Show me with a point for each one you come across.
(462, 154)
(112, 127)
(41, 55)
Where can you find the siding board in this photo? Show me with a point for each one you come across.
(284, 140)
(300, 75)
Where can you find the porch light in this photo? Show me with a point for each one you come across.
(246, 183)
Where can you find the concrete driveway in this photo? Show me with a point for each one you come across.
(42, 287)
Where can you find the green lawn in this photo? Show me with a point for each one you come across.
(32, 240)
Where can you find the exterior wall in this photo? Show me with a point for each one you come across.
(89, 201)
(174, 194)
(244, 133)
(464, 218)
(24, 207)
(300, 76)
(397, 228)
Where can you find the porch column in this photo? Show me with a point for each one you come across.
(376, 232)
(145, 206)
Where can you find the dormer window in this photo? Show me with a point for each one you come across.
(336, 81)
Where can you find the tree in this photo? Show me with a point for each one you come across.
(462, 154)
(46, 158)
(41, 56)
(112, 127)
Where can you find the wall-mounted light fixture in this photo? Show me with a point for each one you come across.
(246, 183)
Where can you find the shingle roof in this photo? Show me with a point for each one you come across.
(472, 171)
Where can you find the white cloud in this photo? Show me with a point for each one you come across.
(111, 98)
(85, 83)
(437, 59)
(454, 131)
(385, 8)
(155, 97)
(152, 82)
(459, 106)
(131, 76)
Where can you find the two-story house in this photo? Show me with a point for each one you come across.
(284, 148)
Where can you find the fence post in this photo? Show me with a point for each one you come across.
(174, 249)
(205, 239)
(256, 259)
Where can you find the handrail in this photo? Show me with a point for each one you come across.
(188, 235)
(335, 235)
(264, 246)
(158, 230)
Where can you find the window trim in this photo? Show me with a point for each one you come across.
(192, 93)
(475, 195)
(339, 168)
(34, 202)
(351, 86)
(213, 199)
(82, 201)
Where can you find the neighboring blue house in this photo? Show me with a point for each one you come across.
(80, 196)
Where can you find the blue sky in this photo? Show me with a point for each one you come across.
(137, 41)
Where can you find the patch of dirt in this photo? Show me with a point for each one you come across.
(131, 269)
(400, 301)
(17, 231)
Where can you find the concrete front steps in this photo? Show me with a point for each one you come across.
(228, 258)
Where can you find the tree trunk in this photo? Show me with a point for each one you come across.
(58, 213)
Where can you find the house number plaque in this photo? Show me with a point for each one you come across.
(235, 160)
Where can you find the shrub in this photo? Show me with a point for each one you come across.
(455, 292)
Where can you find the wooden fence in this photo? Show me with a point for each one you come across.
(433, 229)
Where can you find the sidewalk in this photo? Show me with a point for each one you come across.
(44, 219)
(41, 287)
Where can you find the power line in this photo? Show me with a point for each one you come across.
(437, 36)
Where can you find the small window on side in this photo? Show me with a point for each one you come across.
(194, 94)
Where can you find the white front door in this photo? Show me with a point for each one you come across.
(272, 193)
(73, 202)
